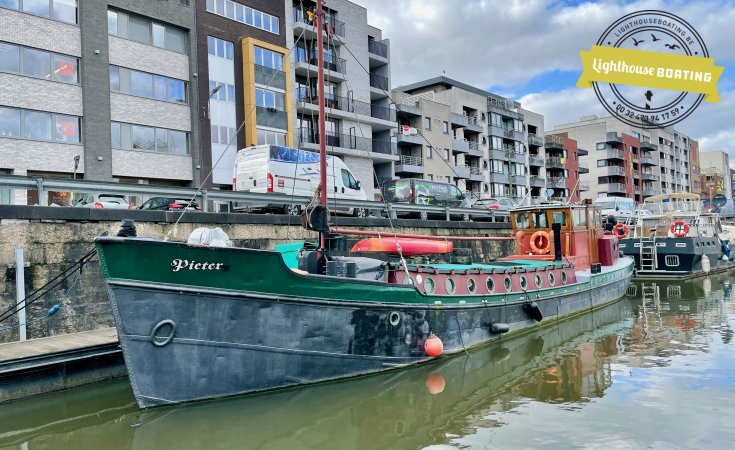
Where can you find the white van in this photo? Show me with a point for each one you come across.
(292, 172)
(621, 208)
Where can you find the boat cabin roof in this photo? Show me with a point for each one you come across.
(673, 204)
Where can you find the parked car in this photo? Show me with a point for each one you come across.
(415, 191)
(495, 203)
(170, 204)
(111, 201)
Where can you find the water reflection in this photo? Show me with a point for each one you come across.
(612, 378)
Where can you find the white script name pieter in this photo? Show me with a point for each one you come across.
(179, 264)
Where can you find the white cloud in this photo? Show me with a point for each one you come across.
(508, 42)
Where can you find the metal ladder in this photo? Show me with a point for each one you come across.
(648, 253)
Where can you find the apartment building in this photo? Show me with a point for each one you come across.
(485, 144)
(99, 90)
(360, 120)
(246, 81)
(715, 173)
(631, 161)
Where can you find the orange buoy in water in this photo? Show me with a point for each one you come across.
(435, 383)
(433, 346)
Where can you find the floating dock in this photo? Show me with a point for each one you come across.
(39, 366)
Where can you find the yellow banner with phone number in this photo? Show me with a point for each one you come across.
(651, 70)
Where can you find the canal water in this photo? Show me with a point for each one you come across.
(654, 370)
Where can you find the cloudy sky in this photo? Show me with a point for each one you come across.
(529, 50)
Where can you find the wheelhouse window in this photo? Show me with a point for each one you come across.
(540, 219)
(560, 217)
(523, 221)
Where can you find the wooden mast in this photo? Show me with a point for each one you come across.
(319, 18)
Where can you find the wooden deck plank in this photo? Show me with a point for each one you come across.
(55, 344)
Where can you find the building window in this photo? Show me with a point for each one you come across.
(446, 154)
(270, 99)
(427, 123)
(61, 10)
(430, 177)
(38, 63)
(38, 125)
(244, 14)
(225, 93)
(271, 137)
(222, 135)
(268, 58)
(143, 84)
(126, 136)
(143, 30)
(445, 127)
(219, 48)
(429, 152)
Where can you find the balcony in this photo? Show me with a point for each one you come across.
(410, 164)
(475, 150)
(407, 139)
(474, 125)
(648, 146)
(377, 48)
(270, 77)
(379, 82)
(555, 163)
(499, 177)
(614, 171)
(649, 191)
(536, 160)
(301, 21)
(460, 145)
(504, 107)
(582, 152)
(342, 143)
(476, 174)
(271, 117)
(385, 147)
(584, 186)
(584, 168)
(613, 138)
(537, 181)
(516, 156)
(461, 171)
(556, 182)
(614, 188)
(458, 120)
(647, 161)
(611, 153)
(651, 177)
(518, 179)
(348, 105)
(535, 140)
(511, 133)
(554, 142)
(306, 65)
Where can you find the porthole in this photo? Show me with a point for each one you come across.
(490, 284)
(449, 284)
(429, 285)
(507, 284)
(524, 283)
(563, 278)
(471, 285)
(394, 318)
(552, 280)
(537, 280)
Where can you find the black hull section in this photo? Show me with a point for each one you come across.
(223, 343)
(678, 257)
